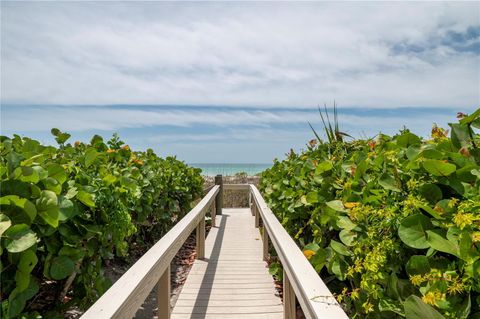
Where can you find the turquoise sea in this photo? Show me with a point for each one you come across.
(212, 169)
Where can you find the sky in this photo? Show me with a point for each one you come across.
(234, 82)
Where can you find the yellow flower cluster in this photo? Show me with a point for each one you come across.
(463, 220)
(431, 298)
(454, 283)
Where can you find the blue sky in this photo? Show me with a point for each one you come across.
(234, 82)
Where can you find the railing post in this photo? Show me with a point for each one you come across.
(213, 214)
(265, 243)
(201, 239)
(252, 208)
(219, 198)
(163, 295)
(289, 300)
(257, 217)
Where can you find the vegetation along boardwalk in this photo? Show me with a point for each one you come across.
(230, 278)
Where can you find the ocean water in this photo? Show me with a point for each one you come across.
(212, 169)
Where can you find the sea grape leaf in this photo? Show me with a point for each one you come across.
(128, 182)
(439, 243)
(61, 267)
(439, 168)
(336, 205)
(27, 262)
(17, 299)
(312, 197)
(431, 192)
(26, 174)
(322, 167)
(109, 179)
(23, 203)
(90, 155)
(60, 137)
(50, 216)
(53, 185)
(67, 209)
(345, 223)
(16, 187)
(460, 135)
(5, 223)
(347, 237)
(412, 231)
(86, 198)
(19, 238)
(471, 118)
(340, 248)
(47, 200)
(418, 265)
(319, 259)
(415, 308)
(57, 172)
(388, 182)
(407, 139)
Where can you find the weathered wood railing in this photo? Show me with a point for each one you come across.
(127, 295)
(301, 282)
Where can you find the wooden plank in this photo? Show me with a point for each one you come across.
(235, 303)
(274, 315)
(230, 297)
(124, 298)
(232, 281)
(229, 309)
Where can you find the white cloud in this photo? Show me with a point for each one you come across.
(252, 54)
(238, 125)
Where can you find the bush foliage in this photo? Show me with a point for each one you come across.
(67, 210)
(391, 224)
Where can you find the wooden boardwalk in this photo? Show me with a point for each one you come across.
(231, 281)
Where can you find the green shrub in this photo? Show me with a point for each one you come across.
(393, 224)
(66, 210)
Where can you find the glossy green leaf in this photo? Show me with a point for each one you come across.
(439, 168)
(86, 198)
(5, 223)
(439, 243)
(22, 203)
(336, 205)
(412, 231)
(340, 248)
(61, 267)
(388, 182)
(57, 172)
(19, 238)
(415, 308)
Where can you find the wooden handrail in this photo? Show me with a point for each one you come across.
(127, 295)
(301, 281)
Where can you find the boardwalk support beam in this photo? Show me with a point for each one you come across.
(289, 302)
(219, 198)
(163, 295)
(265, 244)
(200, 242)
